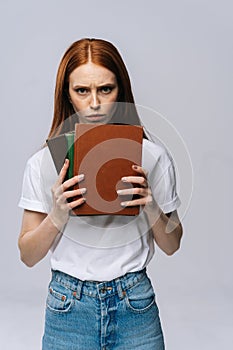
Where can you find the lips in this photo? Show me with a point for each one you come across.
(95, 116)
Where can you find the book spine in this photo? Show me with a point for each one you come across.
(70, 153)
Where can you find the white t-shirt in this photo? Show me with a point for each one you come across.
(101, 247)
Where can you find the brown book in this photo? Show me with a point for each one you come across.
(105, 153)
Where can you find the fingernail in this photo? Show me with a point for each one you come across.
(83, 190)
(81, 177)
(124, 179)
(123, 204)
(119, 191)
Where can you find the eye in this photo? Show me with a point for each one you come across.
(106, 89)
(81, 91)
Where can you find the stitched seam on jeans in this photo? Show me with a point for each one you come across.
(96, 295)
(68, 309)
(139, 310)
(139, 279)
(65, 284)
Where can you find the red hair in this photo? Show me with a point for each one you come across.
(102, 53)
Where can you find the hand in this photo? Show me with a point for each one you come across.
(142, 190)
(61, 193)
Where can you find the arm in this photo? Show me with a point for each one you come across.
(166, 228)
(37, 235)
(39, 230)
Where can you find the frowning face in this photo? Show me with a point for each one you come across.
(93, 91)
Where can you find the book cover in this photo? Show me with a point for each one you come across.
(105, 153)
(62, 147)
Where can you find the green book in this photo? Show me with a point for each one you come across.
(70, 153)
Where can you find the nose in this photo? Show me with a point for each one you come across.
(95, 101)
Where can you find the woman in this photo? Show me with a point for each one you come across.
(100, 296)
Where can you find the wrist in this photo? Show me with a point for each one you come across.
(152, 211)
(58, 223)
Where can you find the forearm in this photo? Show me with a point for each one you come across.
(167, 231)
(39, 230)
(35, 244)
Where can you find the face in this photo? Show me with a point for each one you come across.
(93, 90)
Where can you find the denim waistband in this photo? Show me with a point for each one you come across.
(99, 289)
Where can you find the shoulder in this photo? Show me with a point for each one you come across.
(36, 159)
(156, 147)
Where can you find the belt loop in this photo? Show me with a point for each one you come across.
(78, 292)
(120, 291)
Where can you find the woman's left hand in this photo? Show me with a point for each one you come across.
(141, 190)
(167, 231)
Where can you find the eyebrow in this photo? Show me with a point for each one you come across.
(80, 85)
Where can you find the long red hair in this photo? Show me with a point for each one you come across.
(105, 54)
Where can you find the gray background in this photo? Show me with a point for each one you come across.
(179, 56)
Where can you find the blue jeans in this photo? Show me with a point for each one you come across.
(116, 315)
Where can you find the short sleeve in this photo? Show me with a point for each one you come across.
(164, 191)
(32, 196)
(162, 177)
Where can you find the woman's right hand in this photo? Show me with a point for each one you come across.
(61, 193)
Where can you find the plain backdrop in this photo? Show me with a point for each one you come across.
(179, 55)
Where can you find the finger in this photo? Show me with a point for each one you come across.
(76, 203)
(141, 201)
(132, 191)
(73, 181)
(140, 170)
(74, 193)
(62, 197)
(62, 173)
(135, 179)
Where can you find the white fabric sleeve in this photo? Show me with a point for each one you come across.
(162, 181)
(32, 197)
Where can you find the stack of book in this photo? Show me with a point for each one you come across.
(104, 153)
